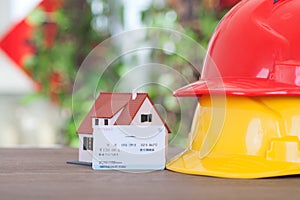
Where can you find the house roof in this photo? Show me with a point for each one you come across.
(108, 104)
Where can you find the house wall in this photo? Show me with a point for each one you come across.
(110, 121)
(147, 108)
(84, 155)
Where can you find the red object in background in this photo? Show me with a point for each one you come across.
(227, 3)
(51, 5)
(50, 30)
(16, 43)
(55, 84)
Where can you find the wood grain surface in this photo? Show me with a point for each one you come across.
(43, 174)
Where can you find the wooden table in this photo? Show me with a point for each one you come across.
(43, 174)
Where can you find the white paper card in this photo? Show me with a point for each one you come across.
(129, 147)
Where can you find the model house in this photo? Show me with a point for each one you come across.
(117, 109)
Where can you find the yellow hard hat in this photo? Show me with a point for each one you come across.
(255, 137)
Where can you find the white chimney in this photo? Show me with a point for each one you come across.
(133, 94)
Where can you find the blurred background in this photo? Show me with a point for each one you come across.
(44, 42)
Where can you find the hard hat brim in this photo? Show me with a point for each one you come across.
(238, 87)
(239, 166)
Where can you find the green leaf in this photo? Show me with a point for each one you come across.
(37, 17)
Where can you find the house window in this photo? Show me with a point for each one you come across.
(96, 121)
(146, 118)
(106, 122)
(87, 143)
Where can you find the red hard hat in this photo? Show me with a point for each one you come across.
(255, 51)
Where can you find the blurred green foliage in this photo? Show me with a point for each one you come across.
(64, 38)
(197, 20)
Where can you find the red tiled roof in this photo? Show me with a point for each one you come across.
(108, 104)
(130, 110)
